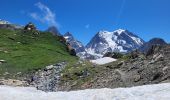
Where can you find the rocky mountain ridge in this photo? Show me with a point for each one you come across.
(155, 41)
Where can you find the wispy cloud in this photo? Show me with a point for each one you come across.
(122, 7)
(45, 15)
(87, 26)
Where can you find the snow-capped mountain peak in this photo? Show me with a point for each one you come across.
(119, 31)
(117, 41)
(77, 45)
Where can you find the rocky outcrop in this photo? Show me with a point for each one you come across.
(48, 78)
(77, 45)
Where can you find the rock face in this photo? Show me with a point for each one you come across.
(155, 41)
(116, 41)
(53, 30)
(48, 79)
(77, 45)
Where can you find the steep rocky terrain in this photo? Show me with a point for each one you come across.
(136, 69)
(77, 45)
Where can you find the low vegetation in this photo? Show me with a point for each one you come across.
(24, 51)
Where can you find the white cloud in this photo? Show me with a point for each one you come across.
(45, 15)
(87, 26)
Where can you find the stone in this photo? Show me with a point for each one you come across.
(49, 67)
(2, 61)
(137, 78)
(159, 57)
(6, 73)
(5, 51)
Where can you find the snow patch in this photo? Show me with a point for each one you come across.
(147, 92)
(103, 60)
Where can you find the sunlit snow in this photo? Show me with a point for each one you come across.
(147, 92)
(103, 60)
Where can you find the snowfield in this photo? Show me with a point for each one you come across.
(147, 92)
(103, 60)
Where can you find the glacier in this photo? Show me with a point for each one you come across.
(146, 92)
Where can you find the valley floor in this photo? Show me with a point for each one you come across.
(146, 92)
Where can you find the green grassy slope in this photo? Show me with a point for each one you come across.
(25, 52)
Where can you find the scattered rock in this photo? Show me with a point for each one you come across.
(19, 42)
(49, 67)
(2, 61)
(5, 51)
(6, 73)
(159, 57)
(49, 78)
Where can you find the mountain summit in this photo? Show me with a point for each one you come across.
(77, 45)
(117, 41)
(54, 30)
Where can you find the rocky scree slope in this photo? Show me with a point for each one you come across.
(140, 69)
(137, 69)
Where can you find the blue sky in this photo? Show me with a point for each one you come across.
(84, 18)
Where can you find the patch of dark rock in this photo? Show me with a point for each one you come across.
(110, 67)
(157, 76)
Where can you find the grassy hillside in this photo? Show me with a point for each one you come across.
(24, 52)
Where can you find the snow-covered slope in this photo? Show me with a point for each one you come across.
(103, 60)
(116, 41)
(77, 45)
(147, 92)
